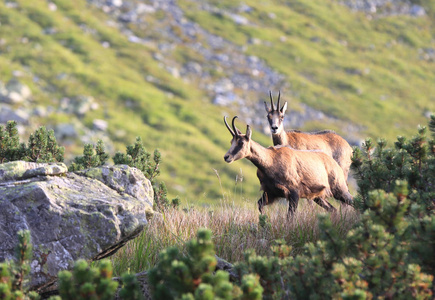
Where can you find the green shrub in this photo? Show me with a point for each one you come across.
(10, 147)
(87, 282)
(131, 289)
(13, 274)
(41, 147)
(379, 167)
(92, 157)
(178, 276)
(138, 157)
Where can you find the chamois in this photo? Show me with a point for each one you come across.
(327, 140)
(288, 173)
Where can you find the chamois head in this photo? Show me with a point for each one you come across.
(240, 144)
(275, 116)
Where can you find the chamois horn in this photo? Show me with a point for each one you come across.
(228, 126)
(271, 101)
(279, 96)
(234, 126)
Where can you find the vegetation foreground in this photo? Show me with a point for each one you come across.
(380, 249)
(235, 230)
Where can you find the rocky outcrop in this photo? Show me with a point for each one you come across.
(386, 7)
(14, 92)
(90, 214)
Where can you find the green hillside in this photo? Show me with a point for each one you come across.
(366, 70)
(374, 73)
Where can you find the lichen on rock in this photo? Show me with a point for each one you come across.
(22, 170)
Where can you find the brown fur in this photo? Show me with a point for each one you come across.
(288, 173)
(327, 140)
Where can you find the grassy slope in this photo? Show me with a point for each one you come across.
(187, 129)
(322, 39)
(189, 133)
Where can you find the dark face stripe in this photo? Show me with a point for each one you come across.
(239, 144)
(237, 148)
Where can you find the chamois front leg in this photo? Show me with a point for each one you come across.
(343, 195)
(293, 200)
(325, 204)
(262, 202)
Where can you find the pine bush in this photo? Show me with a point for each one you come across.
(178, 276)
(13, 274)
(41, 147)
(87, 282)
(138, 157)
(10, 147)
(93, 156)
(131, 289)
(379, 167)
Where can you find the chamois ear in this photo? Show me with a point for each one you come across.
(284, 108)
(248, 132)
(266, 107)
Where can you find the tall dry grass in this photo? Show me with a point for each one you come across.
(235, 229)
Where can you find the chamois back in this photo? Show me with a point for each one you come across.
(327, 141)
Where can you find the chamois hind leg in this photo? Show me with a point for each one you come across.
(324, 203)
(262, 202)
(293, 200)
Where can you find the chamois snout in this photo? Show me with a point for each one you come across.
(228, 158)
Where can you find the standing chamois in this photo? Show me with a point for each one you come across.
(288, 173)
(327, 140)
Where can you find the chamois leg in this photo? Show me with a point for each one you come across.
(344, 196)
(347, 198)
(262, 202)
(325, 204)
(293, 200)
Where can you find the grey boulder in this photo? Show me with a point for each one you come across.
(89, 214)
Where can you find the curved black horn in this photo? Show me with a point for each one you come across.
(279, 96)
(234, 127)
(271, 101)
(228, 126)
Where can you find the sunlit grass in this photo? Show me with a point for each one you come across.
(235, 229)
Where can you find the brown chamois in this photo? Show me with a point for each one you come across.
(288, 173)
(327, 140)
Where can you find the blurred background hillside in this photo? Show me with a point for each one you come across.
(169, 71)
